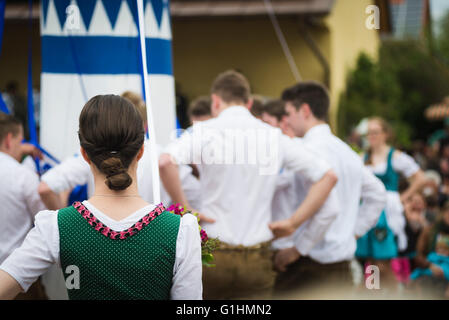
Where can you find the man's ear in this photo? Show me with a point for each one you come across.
(250, 103)
(84, 154)
(140, 153)
(215, 103)
(7, 141)
(306, 110)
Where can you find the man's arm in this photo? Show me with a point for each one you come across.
(307, 163)
(169, 173)
(311, 234)
(9, 287)
(50, 198)
(315, 198)
(63, 177)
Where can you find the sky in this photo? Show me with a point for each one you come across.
(438, 8)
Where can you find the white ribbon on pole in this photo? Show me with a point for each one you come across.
(151, 133)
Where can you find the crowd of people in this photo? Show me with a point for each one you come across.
(297, 212)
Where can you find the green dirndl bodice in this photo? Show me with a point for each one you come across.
(380, 242)
(133, 264)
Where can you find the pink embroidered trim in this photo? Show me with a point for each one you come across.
(106, 231)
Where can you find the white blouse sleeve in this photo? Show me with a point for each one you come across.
(187, 273)
(405, 164)
(38, 252)
(68, 174)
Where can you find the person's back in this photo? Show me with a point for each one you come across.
(114, 245)
(244, 171)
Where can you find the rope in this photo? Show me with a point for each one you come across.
(283, 42)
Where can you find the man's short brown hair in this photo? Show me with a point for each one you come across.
(275, 108)
(200, 107)
(9, 124)
(257, 106)
(232, 87)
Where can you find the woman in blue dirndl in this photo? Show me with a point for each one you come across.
(383, 242)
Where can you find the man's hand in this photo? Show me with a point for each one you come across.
(202, 217)
(285, 257)
(31, 150)
(282, 228)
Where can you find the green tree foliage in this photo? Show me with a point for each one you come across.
(404, 81)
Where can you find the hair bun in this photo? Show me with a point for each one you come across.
(117, 177)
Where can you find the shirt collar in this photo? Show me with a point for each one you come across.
(6, 156)
(234, 111)
(318, 130)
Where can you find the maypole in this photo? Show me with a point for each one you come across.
(146, 89)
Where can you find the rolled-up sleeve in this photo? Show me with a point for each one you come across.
(68, 174)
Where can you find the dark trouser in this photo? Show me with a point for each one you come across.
(307, 278)
(35, 292)
(240, 273)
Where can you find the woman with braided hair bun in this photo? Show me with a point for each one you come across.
(108, 244)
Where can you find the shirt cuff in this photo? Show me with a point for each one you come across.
(303, 245)
(53, 183)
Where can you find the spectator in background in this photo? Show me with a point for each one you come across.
(414, 210)
(383, 242)
(431, 192)
(432, 257)
(418, 153)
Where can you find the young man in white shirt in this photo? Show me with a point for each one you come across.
(18, 192)
(361, 197)
(239, 158)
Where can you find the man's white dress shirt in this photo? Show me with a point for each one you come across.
(20, 202)
(239, 158)
(361, 197)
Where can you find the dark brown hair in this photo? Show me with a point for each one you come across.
(312, 93)
(138, 102)
(9, 124)
(257, 107)
(111, 132)
(275, 108)
(200, 107)
(232, 87)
